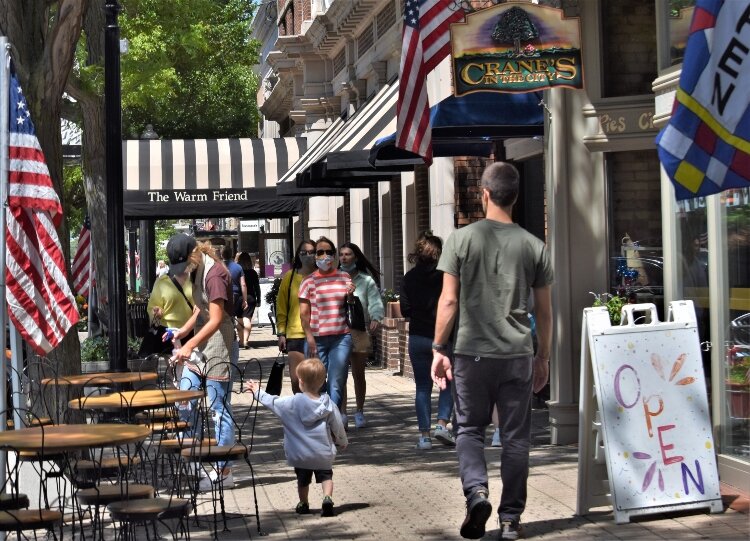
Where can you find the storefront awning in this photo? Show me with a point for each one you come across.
(184, 178)
(339, 158)
(287, 184)
(469, 126)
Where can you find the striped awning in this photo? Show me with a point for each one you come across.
(317, 151)
(209, 177)
(339, 158)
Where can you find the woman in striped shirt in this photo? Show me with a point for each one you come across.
(321, 298)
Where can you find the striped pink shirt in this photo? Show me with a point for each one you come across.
(326, 295)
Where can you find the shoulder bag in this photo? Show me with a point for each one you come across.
(354, 313)
(276, 377)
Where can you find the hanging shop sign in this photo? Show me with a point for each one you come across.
(516, 47)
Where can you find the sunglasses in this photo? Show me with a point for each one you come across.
(307, 252)
(325, 252)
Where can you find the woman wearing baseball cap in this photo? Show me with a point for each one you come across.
(214, 338)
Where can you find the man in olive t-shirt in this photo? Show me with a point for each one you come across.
(489, 269)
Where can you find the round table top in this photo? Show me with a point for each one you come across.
(148, 398)
(60, 438)
(102, 378)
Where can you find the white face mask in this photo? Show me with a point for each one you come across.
(325, 263)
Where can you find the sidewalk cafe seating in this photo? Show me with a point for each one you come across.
(206, 457)
(15, 514)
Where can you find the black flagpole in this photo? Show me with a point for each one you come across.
(118, 335)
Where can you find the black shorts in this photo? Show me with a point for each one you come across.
(239, 311)
(296, 344)
(304, 477)
(250, 310)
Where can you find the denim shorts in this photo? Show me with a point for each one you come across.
(295, 344)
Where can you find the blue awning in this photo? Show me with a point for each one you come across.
(469, 126)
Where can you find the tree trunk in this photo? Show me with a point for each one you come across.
(94, 158)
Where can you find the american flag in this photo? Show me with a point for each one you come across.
(81, 267)
(40, 303)
(705, 148)
(425, 42)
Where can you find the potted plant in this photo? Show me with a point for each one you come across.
(391, 303)
(95, 355)
(738, 383)
(613, 304)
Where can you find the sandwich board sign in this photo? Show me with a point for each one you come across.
(652, 427)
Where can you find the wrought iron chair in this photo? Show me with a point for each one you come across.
(209, 458)
(15, 515)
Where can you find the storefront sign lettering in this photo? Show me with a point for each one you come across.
(516, 48)
(626, 121)
(192, 196)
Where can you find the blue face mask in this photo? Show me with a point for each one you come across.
(351, 267)
(325, 263)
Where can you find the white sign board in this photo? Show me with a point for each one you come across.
(653, 408)
(249, 225)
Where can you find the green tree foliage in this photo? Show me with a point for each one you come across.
(188, 71)
(75, 197)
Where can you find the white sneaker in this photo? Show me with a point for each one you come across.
(424, 443)
(213, 479)
(345, 420)
(444, 436)
(359, 420)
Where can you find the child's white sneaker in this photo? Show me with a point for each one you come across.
(424, 443)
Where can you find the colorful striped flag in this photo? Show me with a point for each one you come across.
(705, 148)
(80, 270)
(40, 303)
(425, 42)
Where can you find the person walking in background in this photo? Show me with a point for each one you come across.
(161, 268)
(251, 300)
(366, 280)
(312, 431)
(239, 295)
(214, 338)
(420, 291)
(489, 269)
(289, 329)
(321, 296)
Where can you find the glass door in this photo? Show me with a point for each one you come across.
(735, 381)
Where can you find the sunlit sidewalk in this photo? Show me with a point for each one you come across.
(386, 489)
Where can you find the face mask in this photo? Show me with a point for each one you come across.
(324, 264)
(307, 260)
(351, 267)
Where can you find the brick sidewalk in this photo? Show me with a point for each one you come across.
(385, 489)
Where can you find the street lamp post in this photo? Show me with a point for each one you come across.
(118, 337)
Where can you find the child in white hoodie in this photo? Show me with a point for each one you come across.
(312, 430)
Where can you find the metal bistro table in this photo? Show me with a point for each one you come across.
(103, 378)
(57, 440)
(134, 400)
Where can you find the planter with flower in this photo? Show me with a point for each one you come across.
(391, 303)
(738, 382)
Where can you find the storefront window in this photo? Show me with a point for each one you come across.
(736, 414)
(692, 253)
(680, 15)
(636, 257)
